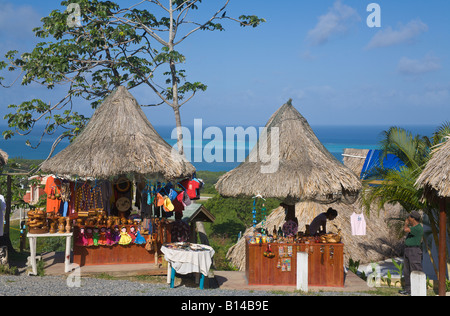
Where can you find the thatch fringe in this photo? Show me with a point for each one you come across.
(435, 178)
(3, 158)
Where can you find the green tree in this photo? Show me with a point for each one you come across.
(398, 186)
(93, 46)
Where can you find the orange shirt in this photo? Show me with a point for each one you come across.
(53, 185)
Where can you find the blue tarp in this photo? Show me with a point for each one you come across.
(373, 162)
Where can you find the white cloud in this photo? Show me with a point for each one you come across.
(404, 34)
(337, 21)
(414, 67)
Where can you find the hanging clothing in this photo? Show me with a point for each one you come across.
(106, 189)
(358, 223)
(192, 188)
(53, 187)
(146, 209)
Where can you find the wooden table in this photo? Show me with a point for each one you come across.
(32, 239)
(325, 264)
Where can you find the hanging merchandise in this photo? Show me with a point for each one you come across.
(53, 189)
(192, 188)
(263, 213)
(358, 223)
(168, 206)
(123, 185)
(254, 213)
(264, 218)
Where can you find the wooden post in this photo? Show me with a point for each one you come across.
(442, 246)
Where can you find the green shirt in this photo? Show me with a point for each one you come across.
(414, 238)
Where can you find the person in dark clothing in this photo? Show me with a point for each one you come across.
(413, 249)
(319, 224)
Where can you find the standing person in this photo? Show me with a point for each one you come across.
(319, 224)
(413, 249)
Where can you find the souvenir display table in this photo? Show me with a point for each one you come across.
(276, 263)
(114, 222)
(185, 258)
(33, 238)
(117, 253)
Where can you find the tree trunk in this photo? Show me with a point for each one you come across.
(8, 201)
(175, 104)
(179, 130)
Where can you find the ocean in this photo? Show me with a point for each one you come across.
(213, 150)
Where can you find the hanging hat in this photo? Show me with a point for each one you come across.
(159, 200)
(172, 194)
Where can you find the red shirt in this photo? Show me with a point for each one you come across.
(192, 188)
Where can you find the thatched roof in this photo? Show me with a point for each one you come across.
(435, 178)
(118, 140)
(3, 158)
(306, 170)
(378, 244)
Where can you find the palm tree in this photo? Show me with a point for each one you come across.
(398, 186)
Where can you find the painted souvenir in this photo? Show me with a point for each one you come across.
(81, 239)
(116, 234)
(140, 240)
(132, 233)
(102, 238)
(125, 239)
(89, 237)
(109, 237)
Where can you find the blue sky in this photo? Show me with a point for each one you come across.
(322, 54)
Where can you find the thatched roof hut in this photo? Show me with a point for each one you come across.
(3, 158)
(304, 169)
(379, 243)
(435, 178)
(119, 140)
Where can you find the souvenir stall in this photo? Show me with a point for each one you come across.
(300, 169)
(120, 184)
(109, 230)
(271, 255)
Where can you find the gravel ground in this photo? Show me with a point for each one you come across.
(58, 286)
(61, 286)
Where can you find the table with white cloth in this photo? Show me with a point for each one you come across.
(184, 258)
